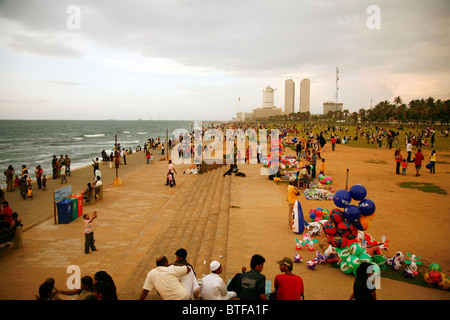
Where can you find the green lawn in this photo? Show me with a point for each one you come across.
(441, 143)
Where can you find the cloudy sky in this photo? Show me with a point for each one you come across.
(193, 59)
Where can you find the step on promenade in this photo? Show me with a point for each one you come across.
(213, 217)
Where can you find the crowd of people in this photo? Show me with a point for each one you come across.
(177, 281)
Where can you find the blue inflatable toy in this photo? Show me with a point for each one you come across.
(358, 192)
(342, 198)
(367, 207)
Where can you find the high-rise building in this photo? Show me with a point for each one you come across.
(332, 106)
(289, 96)
(268, 98)
(305, 92)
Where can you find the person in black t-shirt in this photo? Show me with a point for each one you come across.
(363, 288)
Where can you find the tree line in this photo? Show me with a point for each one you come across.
(418, 111)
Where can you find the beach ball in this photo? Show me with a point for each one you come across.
(339, 242)
(325, 214)
(365, 257)
(354, 261)
(319, 213)
(328, 182)
(362, 223)
(329, 228)
(344, 254)
(367, 207)
(342, 198)
(355, 248)
(435, 276)
(312, 215)
(351, 213)
(428, 166)
(353, 233)
(336, 216)
(434, 266)
(345, 267)
(358, 192)
(444, 284)
(343, 228)
(427, 279)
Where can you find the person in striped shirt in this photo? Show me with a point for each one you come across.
(89, 233)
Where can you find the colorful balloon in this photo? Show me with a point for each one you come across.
(342, 198)
(367, 207)
(351, 213)
(358, 192)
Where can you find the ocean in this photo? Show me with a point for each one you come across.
(34, 142)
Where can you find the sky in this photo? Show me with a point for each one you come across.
(209, 59)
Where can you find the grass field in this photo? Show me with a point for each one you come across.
(440, 144)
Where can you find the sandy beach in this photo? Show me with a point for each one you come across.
(222, 218)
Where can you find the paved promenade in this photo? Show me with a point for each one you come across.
(214, 217)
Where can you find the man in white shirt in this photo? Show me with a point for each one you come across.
(409, 148)
(213, 287)
(164, 278)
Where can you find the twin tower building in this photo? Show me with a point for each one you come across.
(268, 109)
(289, 96)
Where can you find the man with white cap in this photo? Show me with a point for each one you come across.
(213, 287)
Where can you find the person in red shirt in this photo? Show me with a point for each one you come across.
(7, 211)
(288, 286)
(333, 142)
(418, 161)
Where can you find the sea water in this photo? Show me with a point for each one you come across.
(35, 142)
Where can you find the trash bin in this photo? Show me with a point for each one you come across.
(79, 198)
(74, 208)
(64, 211)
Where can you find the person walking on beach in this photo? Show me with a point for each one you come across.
(39, 173)
(433, 161)
(9, 173)
(95, 166)
(333, 142)
(172, 171)
(63, 174)
(404, 166)
(418, 158)
(363, 288)
(313, 163)
(293, 195)
(288, 286)
(298, 150)
(44, 183)
(398, 160)
(89, 241)
(67, 164)
(409, 149)
(55, 167)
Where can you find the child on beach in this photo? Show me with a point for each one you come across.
(151, 158)
(322, 167)
(30, 192)
(89, 241)
(44, 183)
(404, 165)
(169, 179)
(63, 174)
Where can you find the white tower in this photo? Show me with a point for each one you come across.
(268, 98)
